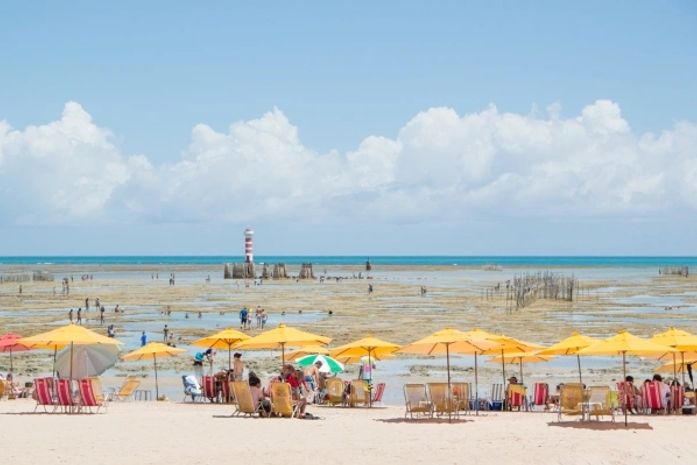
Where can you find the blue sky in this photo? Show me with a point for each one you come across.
(145, 74)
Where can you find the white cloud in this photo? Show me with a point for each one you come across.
(485, 163)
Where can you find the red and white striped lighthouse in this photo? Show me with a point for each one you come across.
(248, 245)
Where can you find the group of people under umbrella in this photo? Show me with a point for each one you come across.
(446, 342)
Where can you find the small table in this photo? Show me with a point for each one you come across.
(587, 409)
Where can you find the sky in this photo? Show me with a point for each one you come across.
(368, 128)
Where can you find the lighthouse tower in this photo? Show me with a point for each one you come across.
(248, 245)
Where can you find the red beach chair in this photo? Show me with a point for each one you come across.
(225, 390)
(677, 398)
(540, 394)
(44, 394)
(625, 393)
(377, 394)
(208, 385)
(87, 395)
(64, 393)
(515, 397)
(652, 392)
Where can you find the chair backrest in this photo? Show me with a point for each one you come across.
(460, 393)
(243, 394)
(191, 385)
(44, 396)
(515, 395)
(379, 391)
(97, 389)
(335, 390)
(2, 388)
(359, 392)
(677, 397)
(599, 399)
(208, 383)
(415, 395)
(129, 386)
(653, 395)
(225, 387)
(496, 392)
(440, 397)
(87, 396)
(281, 399)
(570, 397)
(540, 393)
(64, 392)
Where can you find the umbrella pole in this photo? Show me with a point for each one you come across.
(503, 370)
(71, 364)
(449, 398)
(521, 370)
(624, 373)
(11, 366)
(55, 352)
(157, 390)
(476, 386)
(682, 368)
(370, 380)
(578, 360)
(229, 357)
(675, 368)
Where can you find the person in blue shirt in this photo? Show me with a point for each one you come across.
(244, 314)
(143, 339)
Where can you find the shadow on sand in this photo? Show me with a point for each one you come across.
(600, 425)
(421, 421)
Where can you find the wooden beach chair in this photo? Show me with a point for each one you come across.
(245, 401)
(208, 385)
(43, 394)
(416, 401)
(442, 402)
(2, 388)
(125, 392)
(540, 395)
(64, 394)
(571, 397)
(282, 401)
(599, 402)
(377, 393)
(88, 398)
(461, 396)
(359, 394)
(496, 397)
(516, 397)
(335, 391)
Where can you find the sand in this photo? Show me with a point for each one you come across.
(171, 433)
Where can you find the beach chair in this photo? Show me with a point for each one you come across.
(461, 396)
(600, 402)
(125, 392)
(191, 388)
(226, 390)
(208, 385)
(628, 399)
(571, 397)
(2, 388)
(516, 397)
(496, 397)
(282, 401)
(88, 397)
(654, 402)
(245, 401)
(442, 402)
(540, 395)
(335, 391)
(677, 399)
(44, 394)
(377, 393)
(64, 393)
(359, 393)
(416, 401)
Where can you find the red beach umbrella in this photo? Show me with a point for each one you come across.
(8, 343)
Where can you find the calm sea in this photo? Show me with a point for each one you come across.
(533, 261)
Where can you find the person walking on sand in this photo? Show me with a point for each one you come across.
(79, 315)
(70, 315)
(165, 333)
(244, 314)
(87, 304)
(143, 339)
(101, 315)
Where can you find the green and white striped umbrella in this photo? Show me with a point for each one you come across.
(329, 364)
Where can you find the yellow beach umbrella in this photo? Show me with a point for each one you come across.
(281, 337)
(520, 358)
(509, 344)
(570, 346)
(224, 339)
(369, 346)
(671, 367)
(680, 340)
(624, 343)
(447, 341)
(66, 335)
(308, 350)
(151, 351)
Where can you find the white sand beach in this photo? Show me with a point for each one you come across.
(166, 433)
